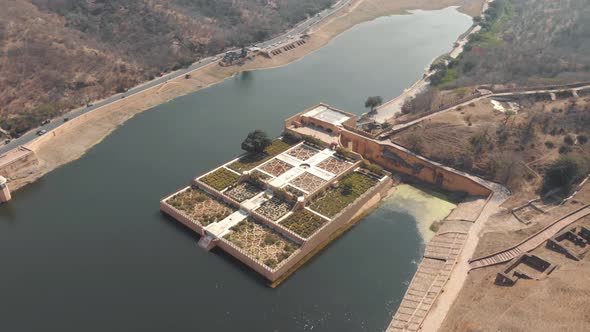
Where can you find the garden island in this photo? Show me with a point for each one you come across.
(278, 204)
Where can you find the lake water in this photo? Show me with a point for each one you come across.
(86, 248)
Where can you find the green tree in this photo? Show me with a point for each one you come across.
(373, 102)
(561, 174)
(256, 141)
(415, 143)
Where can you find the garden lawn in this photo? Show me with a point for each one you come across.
(200, 207)
(334, 200)
(220, 179)
(304, 223)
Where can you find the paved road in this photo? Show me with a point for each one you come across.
(299, 29)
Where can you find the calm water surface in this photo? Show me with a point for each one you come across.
(86, 249)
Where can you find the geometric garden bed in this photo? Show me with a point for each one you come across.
(261, 242)
(200, 207)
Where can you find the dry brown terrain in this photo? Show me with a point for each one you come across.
(56, 55)
(72, 141)
(557, 303)
(510, 148)
(515, 149)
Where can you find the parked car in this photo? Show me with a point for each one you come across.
(41, 132)
(6, 141)
(66, 119)
(45, 122)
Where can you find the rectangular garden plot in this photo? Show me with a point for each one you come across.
(243, 191)
(250, 161)
(275, 167)
(200, 207)
(302, 152)
(334, 200)
(334, 165)
(304, 223)
(308, 182)
(220, 178)
(274, 208)
(261, 243)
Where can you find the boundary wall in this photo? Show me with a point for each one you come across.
(399, 159)
(307, 246)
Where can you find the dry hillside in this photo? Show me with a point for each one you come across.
(58, 54)
(513, 145)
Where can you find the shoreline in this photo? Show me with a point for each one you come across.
(73, 139)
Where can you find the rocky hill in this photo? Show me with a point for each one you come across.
(58, 54)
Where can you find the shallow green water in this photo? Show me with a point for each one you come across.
(426, 208)
(86, 249)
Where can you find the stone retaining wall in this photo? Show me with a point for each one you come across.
(398, 159)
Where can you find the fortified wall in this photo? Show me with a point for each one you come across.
(398, 159)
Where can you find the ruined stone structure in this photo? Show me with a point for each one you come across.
(573, 243)
(4, 191)
(524, 266)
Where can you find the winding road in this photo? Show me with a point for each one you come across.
(284, 37)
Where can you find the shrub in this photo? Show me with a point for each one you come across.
(270, 239)
(291, 138)
(562, 173)
(271, 262)
(582, 139)
(478, 141)
(375, 169)
(549, 144)
(313, 141)
(564, 149)
(568, 139)
(347, 188)
(345, 153)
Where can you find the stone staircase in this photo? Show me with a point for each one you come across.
(498, 258)
(207, 241)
